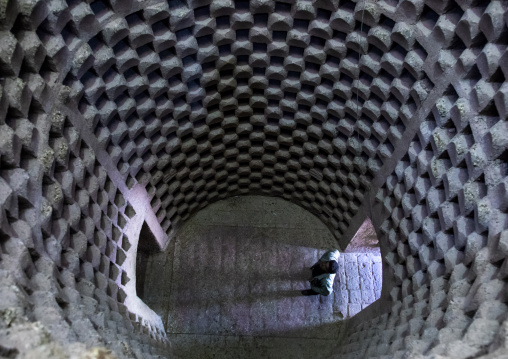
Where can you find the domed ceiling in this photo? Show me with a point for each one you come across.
(311, 101)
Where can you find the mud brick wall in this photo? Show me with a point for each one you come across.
(116, 113)
(358, 282)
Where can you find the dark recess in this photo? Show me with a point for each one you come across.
(147, 246)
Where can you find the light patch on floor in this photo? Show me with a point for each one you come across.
(234, 282)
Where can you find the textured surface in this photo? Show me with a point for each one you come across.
(117, 113)
(260, 97)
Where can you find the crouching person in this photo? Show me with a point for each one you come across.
(323, 274)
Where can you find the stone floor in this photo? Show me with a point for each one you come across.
(229, 284)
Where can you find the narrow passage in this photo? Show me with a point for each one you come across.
(229, 285)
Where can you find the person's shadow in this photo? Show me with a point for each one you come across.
(304, 274)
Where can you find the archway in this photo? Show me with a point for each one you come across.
(233, 284)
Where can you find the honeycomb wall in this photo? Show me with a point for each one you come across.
(444, 234)
(63, 245)
(443, 226)
(116, 112)
(237, 97)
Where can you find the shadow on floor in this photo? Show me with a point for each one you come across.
(229, 285)
(286, 344)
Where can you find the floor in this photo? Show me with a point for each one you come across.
(229, 284)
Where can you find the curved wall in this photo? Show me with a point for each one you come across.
(118, 112)
(203, 101)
